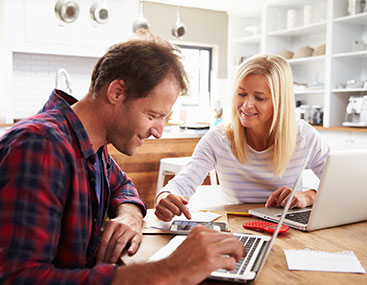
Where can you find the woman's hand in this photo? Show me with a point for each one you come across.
(300, 199)
(168, 205)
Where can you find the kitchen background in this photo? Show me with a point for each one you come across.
(325, 41)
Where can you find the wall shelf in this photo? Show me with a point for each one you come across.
(358, 19)
(332, 27)
(349, 90)
(301, 31)
(358, 54)
(310, 59)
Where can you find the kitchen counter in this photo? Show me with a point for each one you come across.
(341, 129)
(175, 132)
(3, 129)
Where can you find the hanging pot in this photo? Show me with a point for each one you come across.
(178, 29)
(100, 12)
(67, 10)
(141, 22)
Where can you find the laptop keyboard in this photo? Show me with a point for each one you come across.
(300, 217)
(251, 244)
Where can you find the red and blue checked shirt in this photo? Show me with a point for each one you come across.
(48, 206)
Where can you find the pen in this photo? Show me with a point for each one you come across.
(243, 214)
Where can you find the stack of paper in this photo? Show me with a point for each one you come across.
(315, 260)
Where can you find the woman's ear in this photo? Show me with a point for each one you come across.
(116, 91)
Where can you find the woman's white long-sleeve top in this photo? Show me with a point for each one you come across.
(254, 181)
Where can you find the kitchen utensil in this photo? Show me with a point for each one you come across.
(67, 11)
(178, 29)
(141, 22)
(195, 126)
(359, 45)
(100, 12)
(354, 83)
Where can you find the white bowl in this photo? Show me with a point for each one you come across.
(253, 29)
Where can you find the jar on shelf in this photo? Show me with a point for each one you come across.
(306, 113)
(316, 115)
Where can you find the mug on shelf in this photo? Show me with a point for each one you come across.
(307, 15)
(291, 18)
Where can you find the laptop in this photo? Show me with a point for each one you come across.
(341, 198)
(258, 248)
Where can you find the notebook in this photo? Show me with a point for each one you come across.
(258, 248)
(341, 198)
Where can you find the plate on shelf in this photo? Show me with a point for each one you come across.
(195, 126)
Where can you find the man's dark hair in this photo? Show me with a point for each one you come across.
(142, 63)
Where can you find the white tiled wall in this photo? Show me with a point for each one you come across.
(34, 78)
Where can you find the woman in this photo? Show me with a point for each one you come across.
(259, 155)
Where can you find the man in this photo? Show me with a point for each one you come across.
(57, 180)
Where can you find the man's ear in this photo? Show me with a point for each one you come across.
(116, 91)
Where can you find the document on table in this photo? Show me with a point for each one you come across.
(315, 260)
(197, 216)
(168, 248)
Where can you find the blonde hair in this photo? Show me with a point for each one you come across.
(278, 75)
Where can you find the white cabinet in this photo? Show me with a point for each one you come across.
(347, 61)
(316, 23)
(342, 140)
(358, 140)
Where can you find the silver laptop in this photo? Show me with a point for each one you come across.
(258, 248)
(341, 198)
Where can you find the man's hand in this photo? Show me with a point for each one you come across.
(168, 205)
(300, 199)
(121, 231)
(203, 251)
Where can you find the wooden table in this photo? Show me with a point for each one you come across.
(349, 237)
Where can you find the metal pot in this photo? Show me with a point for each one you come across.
(100, 12)
(141, 22)
(178, 29)
(67, 10)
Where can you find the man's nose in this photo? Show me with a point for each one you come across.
(157, 129)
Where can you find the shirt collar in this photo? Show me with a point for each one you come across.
(62, 101)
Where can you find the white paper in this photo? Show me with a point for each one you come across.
(168, 248)
(197, 216)
(315, 260)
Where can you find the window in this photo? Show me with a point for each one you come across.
(197, 62)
